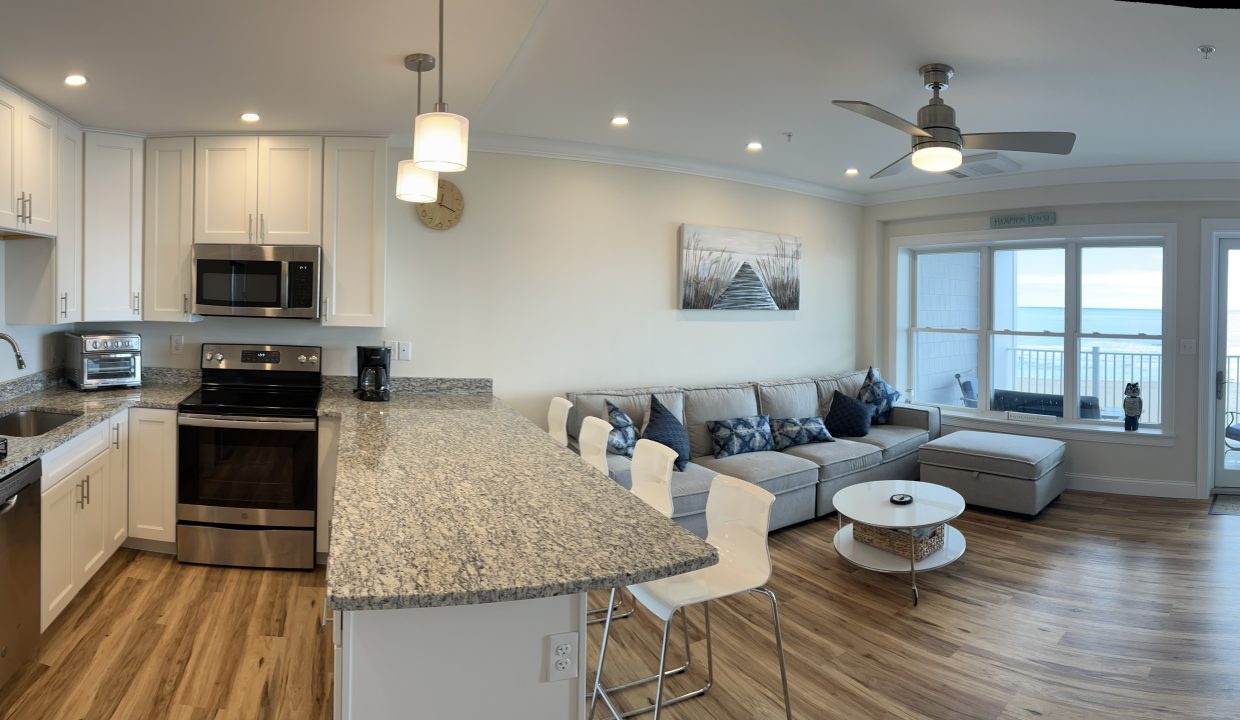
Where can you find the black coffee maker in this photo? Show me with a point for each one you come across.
(374, 372)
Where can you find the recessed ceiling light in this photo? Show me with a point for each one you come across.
(850, 172)
(620, 121)
(250, 117)
(75, 80)
(754, 146)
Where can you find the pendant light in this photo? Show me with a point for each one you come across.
(413, 184)
(441, 138)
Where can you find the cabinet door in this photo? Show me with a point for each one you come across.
(38, 167)
(225, 189)
(69, 224)
(290, 190)
(117, 517)
(10, 150)
(58, 581)
(152, 474)
(112, 227)
(168, 231)
(90, 544)
(354, 231)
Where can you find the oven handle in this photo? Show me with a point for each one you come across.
(235, 423)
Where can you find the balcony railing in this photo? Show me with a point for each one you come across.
(1103, 374)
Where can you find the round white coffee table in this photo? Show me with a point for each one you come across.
(870, 503)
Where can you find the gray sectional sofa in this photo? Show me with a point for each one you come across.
(803, 478)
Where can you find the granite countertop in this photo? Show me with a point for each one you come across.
(458, 500)
(91, 407)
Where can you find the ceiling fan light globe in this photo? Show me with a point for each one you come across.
(441, 142)
(937, 158)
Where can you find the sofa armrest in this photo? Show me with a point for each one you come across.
(925, 417)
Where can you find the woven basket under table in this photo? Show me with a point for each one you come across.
(926, 541)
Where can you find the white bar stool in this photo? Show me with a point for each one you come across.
(737, 517)
(593, 442)
(557, 420)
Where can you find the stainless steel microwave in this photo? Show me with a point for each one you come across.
(257, 280)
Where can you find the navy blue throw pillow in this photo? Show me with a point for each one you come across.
(741, 435)
(665, 429)
(849, 417)
(790, 432)
(623, 435)
(880, 396)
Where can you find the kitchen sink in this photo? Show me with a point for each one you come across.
(29, 423)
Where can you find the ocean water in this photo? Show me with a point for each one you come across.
(1117, 321)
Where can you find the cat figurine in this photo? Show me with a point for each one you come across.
(1132, 406)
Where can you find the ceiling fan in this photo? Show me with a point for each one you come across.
(937, 142)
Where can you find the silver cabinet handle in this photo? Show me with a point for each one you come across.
(30, 208)
(185, 303)
(249, 227)
(137, 303)
(87, 489)
(262, 226)
(116, 443)
(64, 302)
(21, 206)
(81, 501)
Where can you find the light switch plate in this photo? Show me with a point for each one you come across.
(178, 344)
(1188, 346)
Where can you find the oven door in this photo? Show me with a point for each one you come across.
(247, 471)
(101, 369)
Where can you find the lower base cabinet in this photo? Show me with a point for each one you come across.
(152, 440)
(73, 535)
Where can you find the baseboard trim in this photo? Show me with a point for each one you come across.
(159, 546)
(1132, 486)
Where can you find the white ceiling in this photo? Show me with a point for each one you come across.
(698, 78)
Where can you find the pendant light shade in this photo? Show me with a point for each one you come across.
(441, 142)
(415, 185)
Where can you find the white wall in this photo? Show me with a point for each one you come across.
(38, 342)
(562, 275)
(1144, 469)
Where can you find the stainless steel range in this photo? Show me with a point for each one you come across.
(247, 458)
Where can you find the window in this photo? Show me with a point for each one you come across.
(1045, 327)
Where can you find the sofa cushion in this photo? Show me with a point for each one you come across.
(737, 436)
(634, 402)
(664, 428)
(894, 440)
(690, 489)
(774, 472)
(850, 382)
(838, 458)
(848, 417)
(788, 398)
(623, 435)
(719, 402)
(1018, 456)
(790, 432)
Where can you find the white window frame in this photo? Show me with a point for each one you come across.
(901, 314)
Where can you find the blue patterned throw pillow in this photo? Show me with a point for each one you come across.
(623, 435)
(790, 432)
(741, 435)
(880, 396)
(665, 429)
(848, 417)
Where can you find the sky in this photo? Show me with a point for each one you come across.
(1127, 278)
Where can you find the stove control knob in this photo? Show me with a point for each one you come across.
(314, 359)
(219, 357)
(107, 344)
(301, 359)
(94, 344)
(207, 358)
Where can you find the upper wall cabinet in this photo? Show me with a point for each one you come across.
(168, 230)
(354, 231)
(112, 227)
(258, 189)
(28, 140)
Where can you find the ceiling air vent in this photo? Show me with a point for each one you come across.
(982, 164)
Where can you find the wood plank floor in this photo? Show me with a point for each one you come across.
(1105, 607)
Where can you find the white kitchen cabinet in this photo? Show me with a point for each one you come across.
(112, 227)
(117, 516)
(12, 202)
(72, 537)
(153, 474)
(43, 276)
(290, 190)
(354, 232)
(168, 234)
(329, 446)
(258, 189)
(39, 137)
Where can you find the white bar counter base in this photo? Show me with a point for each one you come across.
(462, 538)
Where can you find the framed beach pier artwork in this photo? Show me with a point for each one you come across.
(729, 269)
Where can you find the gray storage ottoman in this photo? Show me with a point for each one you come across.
(1005, 472)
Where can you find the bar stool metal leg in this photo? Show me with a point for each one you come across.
(779, 646)
(602, 653)
(658, 688)
(684, 626)
(618, 611)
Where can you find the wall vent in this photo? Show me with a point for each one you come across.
(983, 164)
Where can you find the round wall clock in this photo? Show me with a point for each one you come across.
(445, 212)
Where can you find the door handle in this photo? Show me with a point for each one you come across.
(137, 305)
(81, 501)
(29, 199)
(64, 301)
(1220, 382)
(249, 227)
(116, 443)
(262, 226)
(87, 485)
(185, 303)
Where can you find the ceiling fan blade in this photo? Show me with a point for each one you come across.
(893, 168)
(1055, 143)
(876, 113)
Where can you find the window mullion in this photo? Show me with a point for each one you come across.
(1072, 332)
(985, 325)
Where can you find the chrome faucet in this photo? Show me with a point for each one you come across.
(17, 351)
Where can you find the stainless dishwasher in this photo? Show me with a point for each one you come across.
(19, 568)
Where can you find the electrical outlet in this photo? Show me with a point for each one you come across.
(560, 656)
(178, 344)
(404, 351)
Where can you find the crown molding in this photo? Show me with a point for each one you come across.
(588, 152)
(1073, 176)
